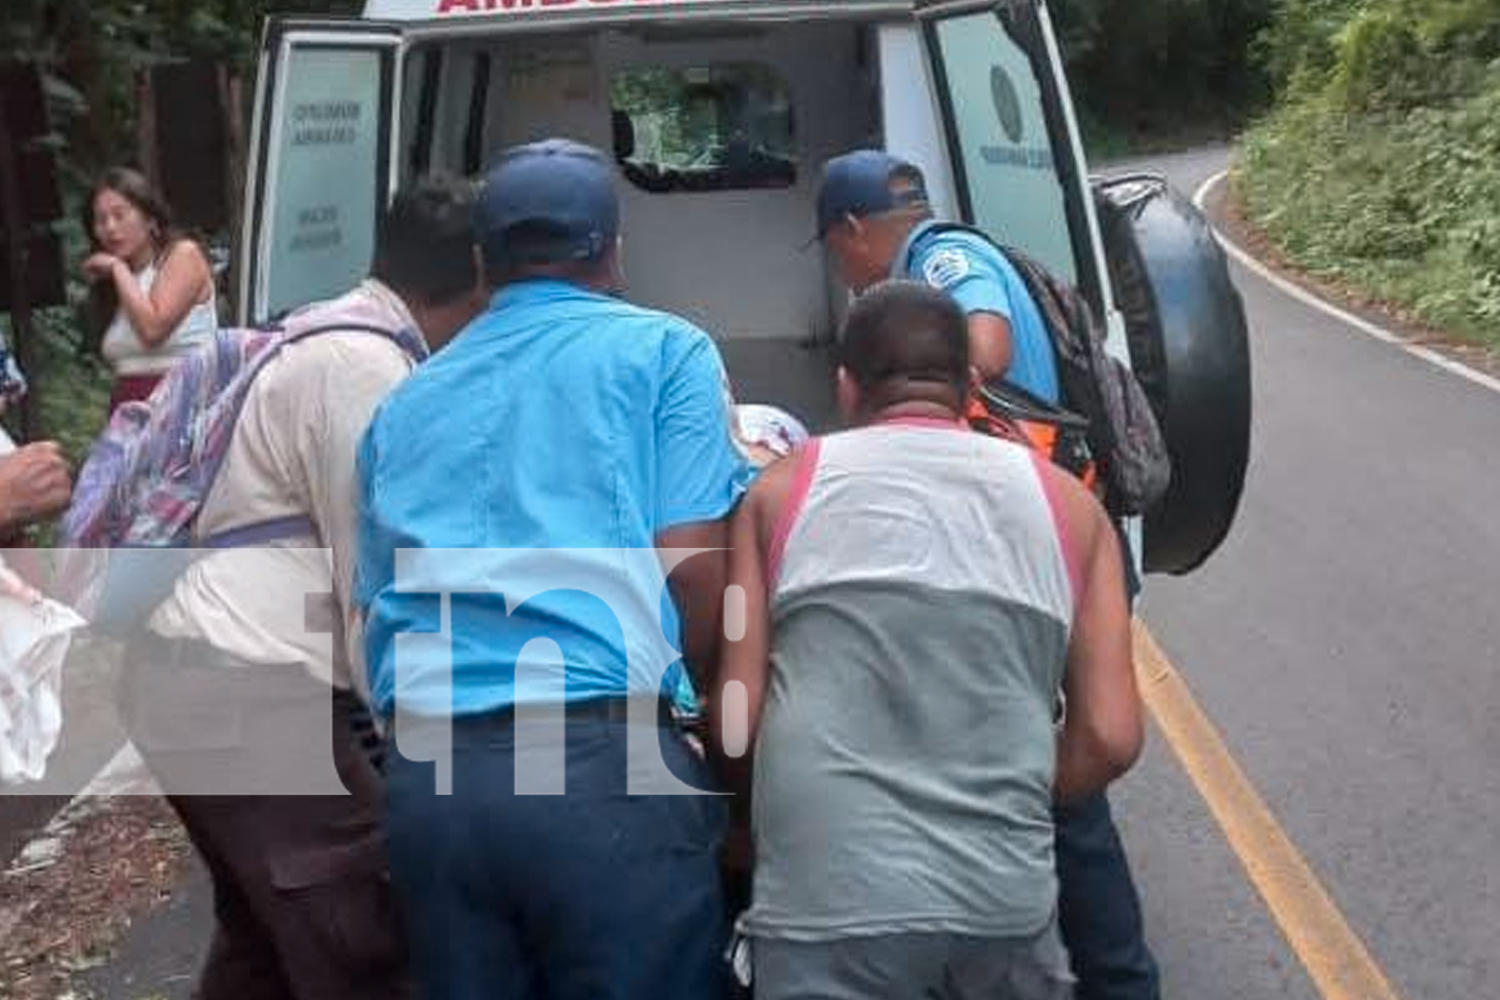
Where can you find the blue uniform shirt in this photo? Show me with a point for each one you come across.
(975, 272)
(555, 438)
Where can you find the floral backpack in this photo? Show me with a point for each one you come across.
(147, 477)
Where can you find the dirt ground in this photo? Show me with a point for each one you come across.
(73, 893)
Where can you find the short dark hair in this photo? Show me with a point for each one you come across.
(425, 249)
(906, 340)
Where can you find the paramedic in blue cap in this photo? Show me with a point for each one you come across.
(562, 440)
(875, 219)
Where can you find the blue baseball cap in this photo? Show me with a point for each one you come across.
(548, 202)
(863, 183)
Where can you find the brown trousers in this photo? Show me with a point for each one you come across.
(303, 904)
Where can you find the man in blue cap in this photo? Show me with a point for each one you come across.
(876, 221)
(561, 442)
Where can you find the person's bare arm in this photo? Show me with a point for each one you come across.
(697, 588)
(699, 481)
(34, 484)
(989, 345)
(747, 659)
(746, 653)
(1102, 730)
(183, 281)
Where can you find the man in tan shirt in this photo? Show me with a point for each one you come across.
(228, 693)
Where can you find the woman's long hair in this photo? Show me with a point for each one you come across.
(104, 300)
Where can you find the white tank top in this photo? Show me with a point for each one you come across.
(923, 605)
(123, 349)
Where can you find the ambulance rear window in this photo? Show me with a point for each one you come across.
(724, 127)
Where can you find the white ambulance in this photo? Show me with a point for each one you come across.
(720, 114)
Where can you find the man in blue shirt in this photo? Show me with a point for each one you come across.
(875, 219)
(561, 442)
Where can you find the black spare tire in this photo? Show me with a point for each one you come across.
(1190, 348)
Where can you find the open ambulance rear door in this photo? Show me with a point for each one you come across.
(1012, 137)
(327, 105)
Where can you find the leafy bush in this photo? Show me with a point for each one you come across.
(72, 388)
(1298, 50)
(1381, 167)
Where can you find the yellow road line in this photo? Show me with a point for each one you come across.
(1334, 956)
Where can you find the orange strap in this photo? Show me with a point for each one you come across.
(1037, 435)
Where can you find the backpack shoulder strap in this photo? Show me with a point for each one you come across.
(296, 526)
(901, 266)
(1033, 273)
(262, 533)
(410, 342)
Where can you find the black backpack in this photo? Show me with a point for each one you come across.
(1123, 434)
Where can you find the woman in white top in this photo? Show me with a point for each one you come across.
(154, 287)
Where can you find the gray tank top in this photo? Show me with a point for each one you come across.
(922, 604)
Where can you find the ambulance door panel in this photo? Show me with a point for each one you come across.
(419, 92)
(1011, 134)
(322, 163)
(910, 114)
(447, 98)
(549, 88)
(460, 109)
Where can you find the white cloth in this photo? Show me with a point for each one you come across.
(34, 639)
(771, 428)
(123, 349)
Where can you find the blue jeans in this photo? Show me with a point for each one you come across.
(1098, 907)
(591, 895)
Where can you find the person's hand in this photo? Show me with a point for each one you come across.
(34, 484)
(101, 265)
(14, 587)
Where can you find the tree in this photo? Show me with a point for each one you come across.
(92, 53)
(1147, 63)
(93, 56)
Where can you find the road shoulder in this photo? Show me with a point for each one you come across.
(1227, 215)
(103, 865)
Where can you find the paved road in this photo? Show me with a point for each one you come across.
(88, 742)
(1345, 640)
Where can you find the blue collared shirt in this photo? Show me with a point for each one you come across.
(975, 272)
(554, 439)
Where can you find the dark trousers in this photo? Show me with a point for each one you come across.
(594, 894)
(1098, 908)
(303, 906)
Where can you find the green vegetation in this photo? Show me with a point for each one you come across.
(1380, 167)
(73, 405)
(92, 50)
(91, 53)
(1152, 74)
